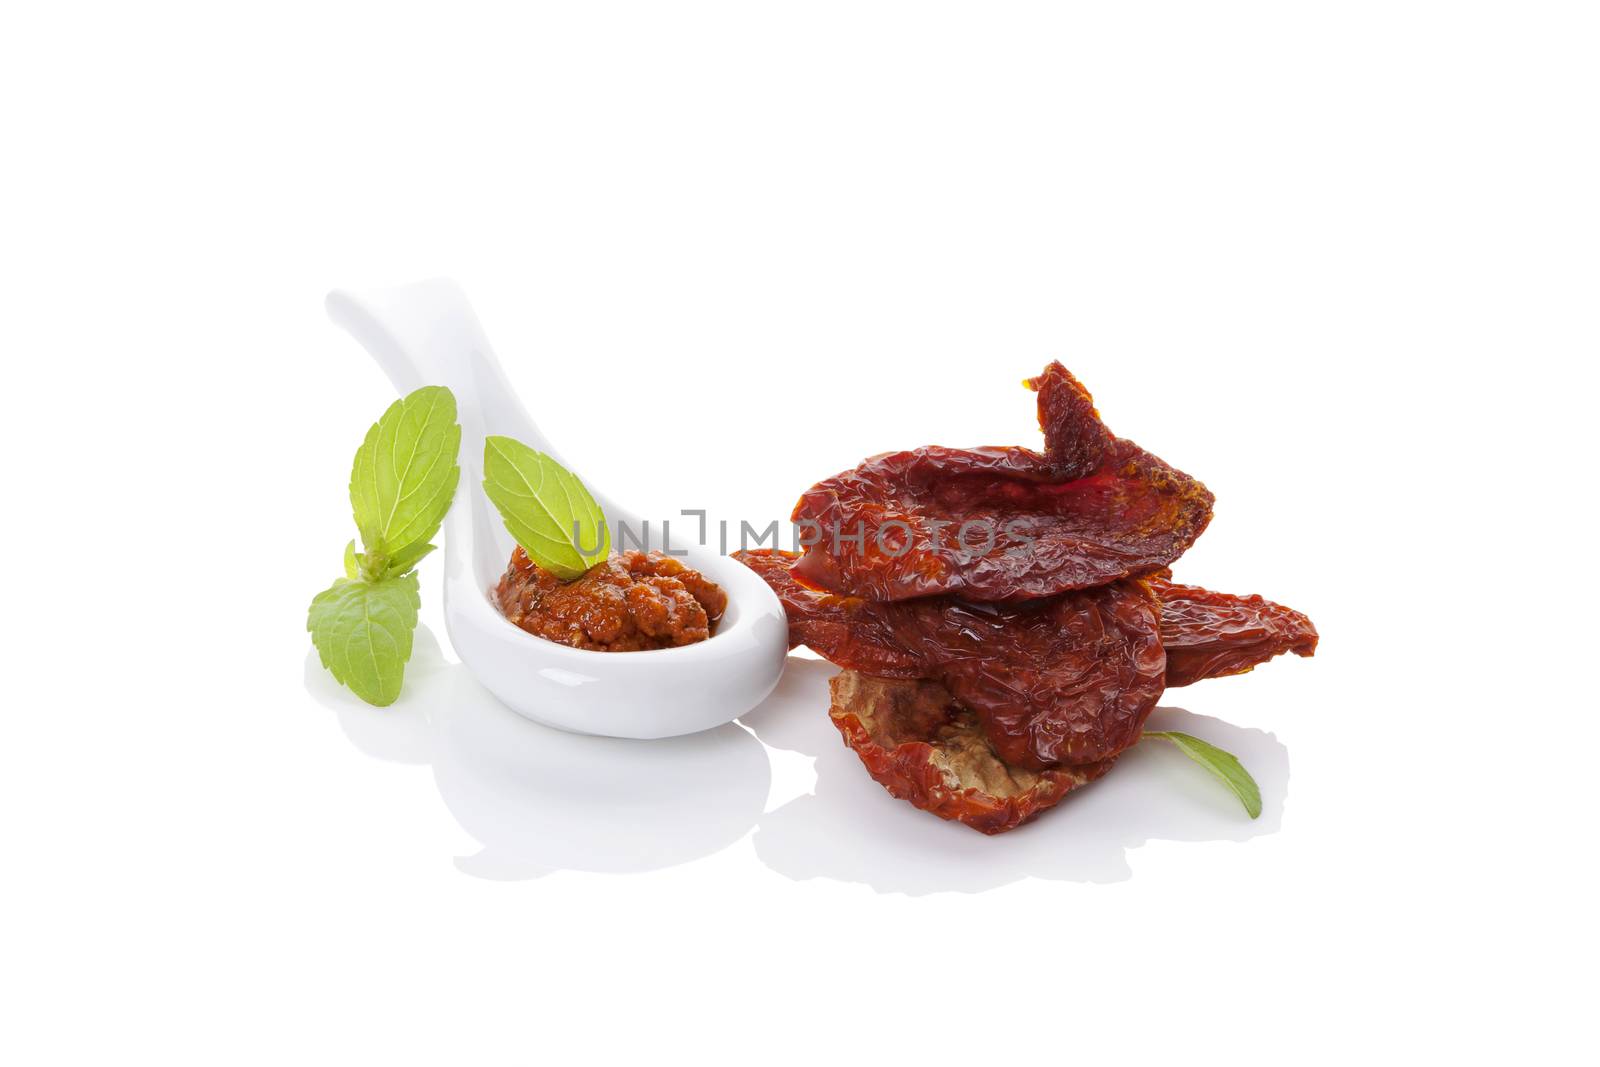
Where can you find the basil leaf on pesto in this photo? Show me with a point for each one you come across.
(1224, 765)
(545, 507)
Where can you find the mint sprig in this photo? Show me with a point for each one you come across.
(1224, 765)
(404, 478)
(545, 507)
(401, 485)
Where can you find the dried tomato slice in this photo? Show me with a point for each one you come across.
(999, 524)
(1069, 679)
(844, 630)
(921, 745)
(1209, 635)
(1076, 442)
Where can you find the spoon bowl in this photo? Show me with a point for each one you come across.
(427, 334)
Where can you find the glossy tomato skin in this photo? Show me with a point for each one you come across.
(1002, 524)
(1211, 635)
(1069, 679)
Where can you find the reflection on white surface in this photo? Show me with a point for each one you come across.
(539, 799)
(851, 830)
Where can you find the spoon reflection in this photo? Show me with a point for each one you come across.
(539, 799)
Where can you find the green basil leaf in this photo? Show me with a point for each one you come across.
(1222, 764)
(545, 507)
(362, 632)
(352, 562)
(405, 473)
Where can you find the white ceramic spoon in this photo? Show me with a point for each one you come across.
(427, 334)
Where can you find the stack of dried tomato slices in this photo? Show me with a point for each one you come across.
(1005, 617)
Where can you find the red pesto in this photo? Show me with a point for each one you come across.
(630, 602)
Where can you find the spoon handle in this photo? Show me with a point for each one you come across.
(426, 333)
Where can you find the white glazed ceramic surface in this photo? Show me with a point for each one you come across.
(427, 334)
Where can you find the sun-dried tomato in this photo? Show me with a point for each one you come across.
(1068, 679)
(1000, 524)
(1076, 442)
(838, 628)
(921, 745)
(1209, 635)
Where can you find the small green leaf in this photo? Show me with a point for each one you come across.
(546, 508)
(352, 562)
(1222, 764)
(362, 632)
(405, 474)
(407, 560)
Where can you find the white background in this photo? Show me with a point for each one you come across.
(1338, 260)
